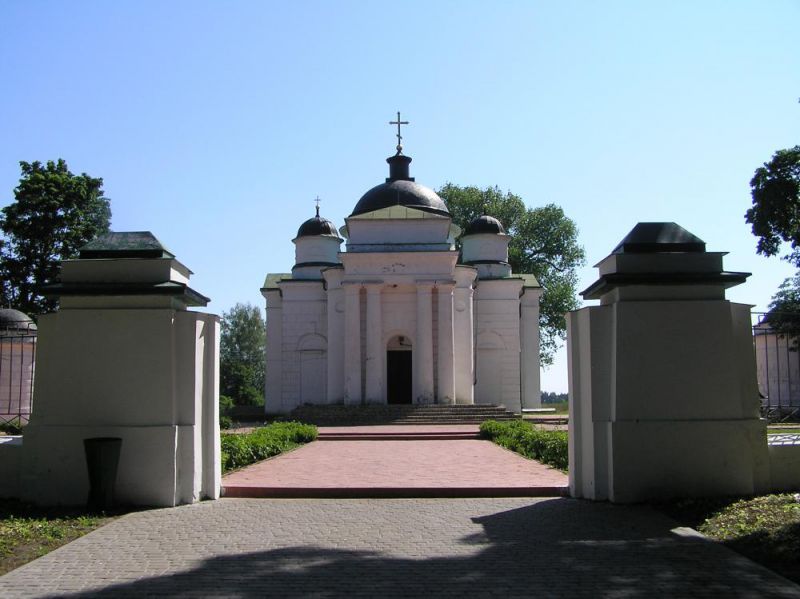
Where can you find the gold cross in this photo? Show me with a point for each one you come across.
(398, 122)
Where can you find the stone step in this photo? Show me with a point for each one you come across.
(397, 436)
(401, 414)
(421, 417)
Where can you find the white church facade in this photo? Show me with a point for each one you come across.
(399, 317)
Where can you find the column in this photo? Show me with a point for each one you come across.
(529, 356)
(465, 344)
(352, 344)
(423, 349)
(335, 344)
(374, 361)
(446, 370)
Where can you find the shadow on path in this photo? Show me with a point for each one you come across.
(553, 548)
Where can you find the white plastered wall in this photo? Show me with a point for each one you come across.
(304, 344)
(148, 376)
(497, 343)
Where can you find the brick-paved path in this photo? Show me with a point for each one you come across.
(451, 468)
(510, 547)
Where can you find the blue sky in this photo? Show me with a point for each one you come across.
(215, 125)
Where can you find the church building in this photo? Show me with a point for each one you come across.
(398, 316)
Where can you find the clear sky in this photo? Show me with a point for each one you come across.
(215, 124)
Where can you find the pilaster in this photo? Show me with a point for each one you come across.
(352, 344)
(423, 350)
(445, 363)
(529, 366)
(374, 357)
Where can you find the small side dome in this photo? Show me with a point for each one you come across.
(485, 224)
(14, 320)
(317, 226)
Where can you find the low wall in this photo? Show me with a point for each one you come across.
(10, 464)
(784, 466)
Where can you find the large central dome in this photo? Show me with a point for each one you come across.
(400, 190)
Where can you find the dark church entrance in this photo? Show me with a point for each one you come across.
(398, 377)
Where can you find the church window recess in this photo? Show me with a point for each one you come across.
(312, 349)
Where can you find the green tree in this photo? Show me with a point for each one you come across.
(775, 220)
(242, 355)
(54, 213)
(775, 214)
(784, 310)
(544, 243)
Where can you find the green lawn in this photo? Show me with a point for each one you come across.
(779, 430)
(28, 532)
(561, 407)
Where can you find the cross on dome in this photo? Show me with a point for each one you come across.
(398, 122)
(317, 201)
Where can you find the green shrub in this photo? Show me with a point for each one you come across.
(12, 427)
(225, 407)
(548, 447)
(244, 449)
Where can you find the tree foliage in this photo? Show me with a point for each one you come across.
(775, 214)
(53, 214)
(242, 355)
(544, 243)
(784, 310)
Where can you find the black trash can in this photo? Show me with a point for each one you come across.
(102, 458)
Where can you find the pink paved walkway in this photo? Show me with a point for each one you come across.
(402, 428)
(419, 468)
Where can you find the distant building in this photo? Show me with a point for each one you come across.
(17, 360)
(778, 367)
(397, 317)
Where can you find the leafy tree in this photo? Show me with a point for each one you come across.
(242, 355)
(53, 214)
(544, 243)
(552, 397)
(784, 310)
(775, 214)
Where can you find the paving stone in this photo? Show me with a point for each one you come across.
(509, 547)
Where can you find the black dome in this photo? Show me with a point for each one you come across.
(400, 190)
(401, 193)
(485, 224)
(317, 226)
(16, 320)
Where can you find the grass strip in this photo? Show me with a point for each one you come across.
(28, 531)
(548, 447)
(240, 450)
(765, 529)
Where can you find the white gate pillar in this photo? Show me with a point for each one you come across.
(124, 358)
(663, 396)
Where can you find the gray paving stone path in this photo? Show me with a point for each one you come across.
(510, 547)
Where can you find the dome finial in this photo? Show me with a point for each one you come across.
(398, 122)
(317, 201)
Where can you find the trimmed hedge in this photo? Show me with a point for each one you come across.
(548, 447)
(244, 449)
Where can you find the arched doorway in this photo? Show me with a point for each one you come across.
(398, 370)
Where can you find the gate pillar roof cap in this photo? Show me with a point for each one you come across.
(652, 238)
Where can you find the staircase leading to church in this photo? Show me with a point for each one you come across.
(400, 414)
